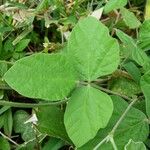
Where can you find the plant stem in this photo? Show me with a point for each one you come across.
(111, 92)
(99, 144)
(122, 117)
(6, 137)
(30, 105)
(113, 143)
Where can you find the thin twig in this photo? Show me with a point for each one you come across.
(99, 144)
(122, 117)
(111, 92)
(113, 143)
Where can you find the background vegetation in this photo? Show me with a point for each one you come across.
(29, 27)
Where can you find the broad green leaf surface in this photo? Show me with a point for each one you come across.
(134, 126)
(93, 51)
(129, 18)
(134, 52)
(145, 86)
(43, 76)
(144, 36)
(114, 4)
(51, 122)
(87, 111)
(131, 145)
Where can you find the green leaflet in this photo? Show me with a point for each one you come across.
(19, 118)
(8, 122)
(134, 126)
(145, 86)
(93, 51)
(129, 18)
(144, 36)
(22, 45)
(114, 4)
(133, 70)
(87, 111)
(26, 130)
(131, 145)
(50, 121)
(44, 76)
(134, 52)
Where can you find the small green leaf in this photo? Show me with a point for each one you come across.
(87, 111)
(44, 76)
(25, 129)
(50, 121)
(22, 45)
(92, 50)
(22, 35)
(114, 4)
(129, 18)
(133, 70)
(144, 36)
(134, 52)
(28, 133)
(131, 145)
(8, 122)
(19, 118)
(145, 86)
